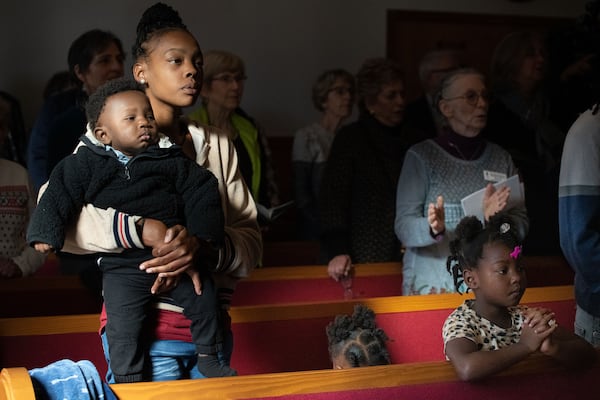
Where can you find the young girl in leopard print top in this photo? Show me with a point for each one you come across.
(492, 332)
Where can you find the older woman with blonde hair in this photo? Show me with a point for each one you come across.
(357, 197)
(221, 93)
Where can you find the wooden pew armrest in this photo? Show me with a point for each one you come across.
(16, 384)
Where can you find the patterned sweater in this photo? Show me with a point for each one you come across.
(16, 206)
(358, 191)
(430, 171)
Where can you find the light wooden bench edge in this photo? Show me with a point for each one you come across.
(281, 312)
(17, 384)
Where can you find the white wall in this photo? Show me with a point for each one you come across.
(285, 43)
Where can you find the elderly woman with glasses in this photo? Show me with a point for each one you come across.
(438, 173)
(222, 91)
(333, 97)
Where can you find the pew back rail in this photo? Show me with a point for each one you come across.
(537, 376)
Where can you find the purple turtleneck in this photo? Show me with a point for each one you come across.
(466, 148)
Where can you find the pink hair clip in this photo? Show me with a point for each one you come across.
(516, 252)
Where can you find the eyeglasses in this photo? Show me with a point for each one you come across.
(230, 78)
(472, 97)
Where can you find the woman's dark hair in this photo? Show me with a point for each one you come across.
(358, 338)
(471, 235)
(85, 47)
(372, 75)
(97, 100)
(155, 20)
(325, 82)
(16, 142)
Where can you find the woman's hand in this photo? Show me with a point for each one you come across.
(339, 267)
(44, 248)
(174, 256)
(436, 216)
(494, 200)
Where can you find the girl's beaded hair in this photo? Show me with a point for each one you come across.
(358, 338)
(471, 235)
(156, 19)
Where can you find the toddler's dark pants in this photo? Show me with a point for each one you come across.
(127, 298)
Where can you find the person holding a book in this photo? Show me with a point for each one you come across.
(438, 173)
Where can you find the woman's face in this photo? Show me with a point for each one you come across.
(465, 105)
(172, 70)
(224, 91)
(106, 65)
(388, 106)
(533, 65)
(340, 99)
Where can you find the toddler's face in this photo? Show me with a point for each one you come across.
(129, 123)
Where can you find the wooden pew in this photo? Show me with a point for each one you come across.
(59, 295)
(278, 253)
(535, 377)
(272, 338)
(312, 283)
(66, 295)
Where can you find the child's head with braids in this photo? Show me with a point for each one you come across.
(356, 341)
(487, 258)
(167, 59)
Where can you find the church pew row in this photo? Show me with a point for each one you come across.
(66, 295)
(533, 378)
(272, 338)
(280, 253)
(62, 295)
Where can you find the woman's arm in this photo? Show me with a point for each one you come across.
(411, 225)
(113, 232)
(242, 249)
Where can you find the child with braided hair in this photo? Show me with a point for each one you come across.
(356, 341)
(492, 332)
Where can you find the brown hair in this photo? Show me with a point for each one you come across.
(372, 76)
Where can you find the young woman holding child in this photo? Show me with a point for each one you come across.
(168, 62)
(490, 333)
